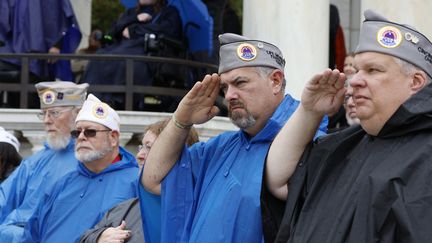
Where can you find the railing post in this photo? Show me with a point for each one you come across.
(24, 82)
(129, 84)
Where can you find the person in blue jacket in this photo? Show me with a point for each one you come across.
(60, 102)
(105, 176)
(123, 222)
(211, 191)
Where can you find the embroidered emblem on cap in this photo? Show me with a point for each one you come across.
(389, 37)
(48, 97)
(100, 111)
(246, 52)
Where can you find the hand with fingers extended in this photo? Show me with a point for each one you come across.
(198, 105)
(324, 93)
(115, 234)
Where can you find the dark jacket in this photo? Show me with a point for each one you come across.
(129, 211)
(353, 187)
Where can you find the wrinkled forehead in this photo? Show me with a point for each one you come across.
(373, 58)
(56, 108)
(89, 125)
(244, 72)
(149, 137)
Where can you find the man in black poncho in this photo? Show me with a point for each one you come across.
(368, 183)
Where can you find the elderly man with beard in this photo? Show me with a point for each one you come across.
(211, 191)
(105, 176)
(123, 222)
(60, 102)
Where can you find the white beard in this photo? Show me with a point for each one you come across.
(89, 156)
(58, 141)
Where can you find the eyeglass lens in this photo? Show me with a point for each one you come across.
(87, 132)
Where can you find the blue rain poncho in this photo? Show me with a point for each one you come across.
(80, 200)
(19, 193)
(212, 194)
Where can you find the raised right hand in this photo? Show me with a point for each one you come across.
(198, 105)
(324, 93)
(115, 234)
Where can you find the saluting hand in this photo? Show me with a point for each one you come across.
(115, 234)
(324, 93)
(198, 105)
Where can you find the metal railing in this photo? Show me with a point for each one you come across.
(129, 88)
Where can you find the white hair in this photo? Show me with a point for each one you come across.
(265, 72)
(409, 68)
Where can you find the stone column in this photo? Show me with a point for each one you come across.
(299, 27)
(414, 12)
(82, 10)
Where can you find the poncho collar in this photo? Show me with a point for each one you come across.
(128, 160)
(415, 115)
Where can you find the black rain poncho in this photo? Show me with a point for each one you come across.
(353, 187)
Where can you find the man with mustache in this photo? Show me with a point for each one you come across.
(123, 222)
(211, 191)
(368, 183)
(60, 102)
(105, 176)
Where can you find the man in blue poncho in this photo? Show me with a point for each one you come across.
(211, 191)
(105, 176)
(60, 102)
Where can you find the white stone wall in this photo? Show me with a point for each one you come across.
(25, 123)
(299, 28)
(413, 12)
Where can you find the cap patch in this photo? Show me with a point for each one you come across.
(246, 52)
(100, 111)
(389, 37)
(48, 97)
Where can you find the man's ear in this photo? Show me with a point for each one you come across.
(277, 78)
(115, 138)
(419, 81)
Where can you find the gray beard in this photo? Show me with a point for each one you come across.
(86, 157)
(243, 122)
(61, 141)
(58, 142)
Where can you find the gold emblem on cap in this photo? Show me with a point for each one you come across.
(48, 97)
(389, 37)
(100, 111)
(246, 52)
(410, 37)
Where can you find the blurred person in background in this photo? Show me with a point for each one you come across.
(9, 153)
(130, 35)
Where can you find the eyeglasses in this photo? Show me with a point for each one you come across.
(143, 146)
(347, 97)
(89, 133)
(52, 113)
